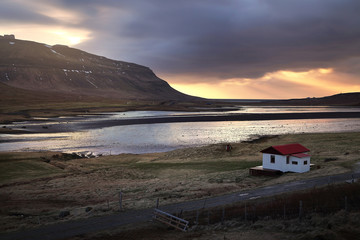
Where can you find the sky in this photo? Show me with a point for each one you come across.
(239, 49)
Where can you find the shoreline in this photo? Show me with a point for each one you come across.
(220, 118)
(56, 127)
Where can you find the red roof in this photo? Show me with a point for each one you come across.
(300, 155)
(287, 149)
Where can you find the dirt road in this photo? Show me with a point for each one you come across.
(74, 228)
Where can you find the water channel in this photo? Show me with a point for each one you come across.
(160, 137)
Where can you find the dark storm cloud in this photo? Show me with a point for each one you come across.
(14, 12)
(235, 38)
(225, 39)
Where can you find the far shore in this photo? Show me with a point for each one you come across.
(102, 123)
(216, 118)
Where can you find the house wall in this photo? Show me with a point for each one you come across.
(280, 163)
(300, 167)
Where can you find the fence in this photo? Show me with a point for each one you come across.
(323, 201)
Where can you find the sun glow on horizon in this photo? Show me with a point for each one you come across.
(57, 24)
(283, 84)
(73, 40)
(48, 34)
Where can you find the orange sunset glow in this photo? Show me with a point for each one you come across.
(277, 85)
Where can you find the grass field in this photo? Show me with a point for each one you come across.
(25, 166)
(209, 167)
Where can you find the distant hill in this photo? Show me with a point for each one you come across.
(342, 99)
(61, 69)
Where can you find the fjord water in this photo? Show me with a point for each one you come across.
(162, 137)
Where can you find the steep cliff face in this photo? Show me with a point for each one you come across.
(35, 66)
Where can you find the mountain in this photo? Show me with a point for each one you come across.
(342, 99)
(12, 96)
(61, 69)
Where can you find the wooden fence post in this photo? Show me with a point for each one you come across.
(197, 216)
(284, 212)
(245, 213)
(300, 209)
(208, 217)
(157, 203)
(346, 205)
(254, 214)
(223, 216)
(120, 201)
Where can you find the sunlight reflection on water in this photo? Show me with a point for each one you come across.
(168, 136)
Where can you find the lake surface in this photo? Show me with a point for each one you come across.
(162, 137)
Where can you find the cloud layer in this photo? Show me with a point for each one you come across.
(231, 38)
(206, 39)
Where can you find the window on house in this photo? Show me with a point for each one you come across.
(272, 159)
(287, 159)
(294, 163)
(305, 162)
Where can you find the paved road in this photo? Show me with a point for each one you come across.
(73, 228)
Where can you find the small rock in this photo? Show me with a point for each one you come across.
(63, 214)
(330, 159)
(88, 209)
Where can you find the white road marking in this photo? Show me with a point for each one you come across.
(255, 197)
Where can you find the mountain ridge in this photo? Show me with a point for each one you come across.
(340, 99)
(41, 67)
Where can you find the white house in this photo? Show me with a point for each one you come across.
(286, 158)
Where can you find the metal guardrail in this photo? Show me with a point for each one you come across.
(170, 220)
